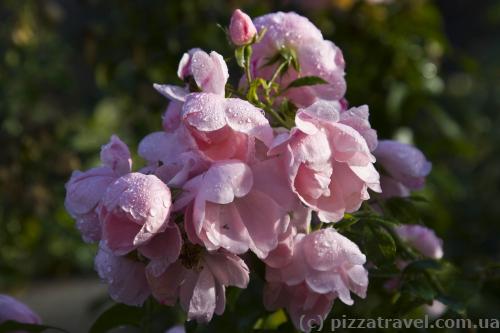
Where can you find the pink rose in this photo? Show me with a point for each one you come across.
(184, 68)
(126, 277)
(210, 74)
(304, 306)
(241, 29)
(322, 266)
(12, 309)
(357, 118)
(225, 128)
(84, 190)
(172, 156)
(221, 211)
(209, 71)
(116, 155)
(422, 239)
(134, 209)
(328, 163)
(317, 57)
(199, 280)
(405, 165)
(327, 262)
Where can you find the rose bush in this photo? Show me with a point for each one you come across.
(267, 176)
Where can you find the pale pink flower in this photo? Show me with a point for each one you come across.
(199, 281)
(268, 177)
(406, 168)
(328, 163)
(357, 118)
(422, 239)
(241, 29)
(221, 211)
(319, 268)
(172, 116)
(225, 128)
(172, 156)
(184, 67)
(327, 262)
(12, 309)
(116, 155)
(210, 74)
(435, 310)
(317, 57)
(125, 276)
(304, 306)
(84, 190)
(283, 253)
(209, 71)
(134, 209)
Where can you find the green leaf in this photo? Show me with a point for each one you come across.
(453, 304)
(117, 315)
(260, 35)
(286, 55)
(346, 223)
(232, 295)
(306, 81)
(14, 326)
(272, 60)
(421, 289)
(252, 94)
(386, 243)
(422, 265)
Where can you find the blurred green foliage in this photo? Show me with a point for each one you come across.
(73, 72)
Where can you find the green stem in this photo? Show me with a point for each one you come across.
(276, 116)
(248, 73)
(277, 72)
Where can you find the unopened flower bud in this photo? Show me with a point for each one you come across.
(241, 28)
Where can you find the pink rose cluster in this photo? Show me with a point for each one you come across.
(220, 180)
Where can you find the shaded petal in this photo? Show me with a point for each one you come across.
(228, 269)
(126, 278)
(163, 249)
(85, 189)
(173, 93)
(116, 155)
(89, 227)
(263, 224)
(165, 287)
(203, 300)
(220, 294)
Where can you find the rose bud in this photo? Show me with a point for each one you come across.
(241, 29)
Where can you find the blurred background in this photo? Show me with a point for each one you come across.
(74, 72)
